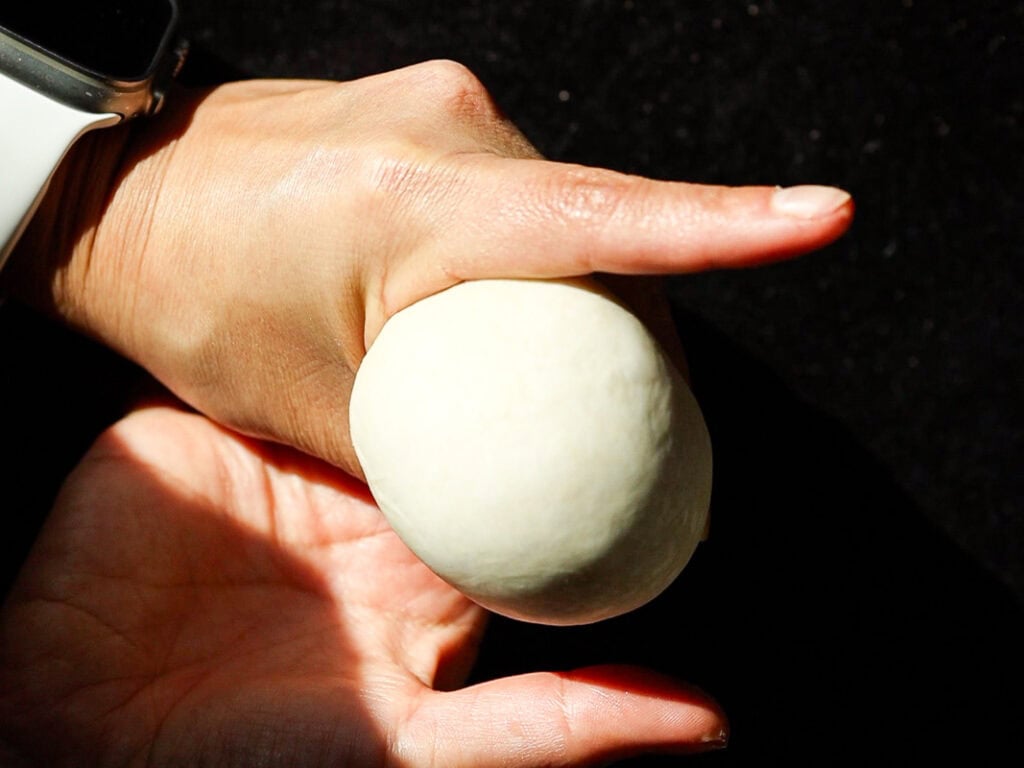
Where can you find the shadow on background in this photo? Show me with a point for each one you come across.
(832, 621)
(59, 391)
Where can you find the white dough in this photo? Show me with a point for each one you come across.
(533, 445)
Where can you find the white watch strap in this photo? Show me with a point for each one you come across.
(35, 134)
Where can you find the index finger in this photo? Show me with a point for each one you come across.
(530, 218)
(540, 219)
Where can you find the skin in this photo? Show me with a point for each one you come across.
(247, 247)
(201, 596)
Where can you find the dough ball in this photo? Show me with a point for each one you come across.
(532, 444)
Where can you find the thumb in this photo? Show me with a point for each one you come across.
(589, 715)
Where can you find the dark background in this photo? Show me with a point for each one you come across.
(861, 600)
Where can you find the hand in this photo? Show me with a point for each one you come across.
(198, 598)
(247, 246)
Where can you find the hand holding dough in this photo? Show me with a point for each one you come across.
(533, 445)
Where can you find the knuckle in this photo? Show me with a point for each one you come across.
(594, 206)
(399, 180)
(456, 90)
(589, 195)
(451, 76)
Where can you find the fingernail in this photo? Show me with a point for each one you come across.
(808, 201)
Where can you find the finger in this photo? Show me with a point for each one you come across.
(533, 218)
(572, 718)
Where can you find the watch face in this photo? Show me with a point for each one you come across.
(110, 39)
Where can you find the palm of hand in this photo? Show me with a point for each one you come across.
(196, 597)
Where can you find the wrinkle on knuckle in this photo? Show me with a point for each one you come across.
(564, 722)
(590, 203)
(590, 196)
(407, 185)
(393, 177)
(416, 201)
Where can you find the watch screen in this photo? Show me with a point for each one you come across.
(115, 39)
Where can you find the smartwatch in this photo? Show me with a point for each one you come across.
(68, 68)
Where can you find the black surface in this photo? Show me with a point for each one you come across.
(112, 39)
(860, 599)
(908, 332)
